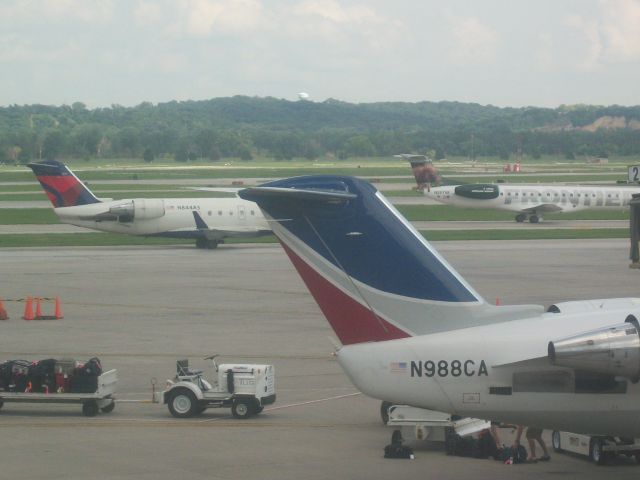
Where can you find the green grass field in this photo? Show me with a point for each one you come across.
(96, 171)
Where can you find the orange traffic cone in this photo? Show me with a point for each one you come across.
(38, 309)
(58, 312)
(498, 303)
(3, 312)
(28, 309)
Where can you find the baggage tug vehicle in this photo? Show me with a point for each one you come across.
(245, 388)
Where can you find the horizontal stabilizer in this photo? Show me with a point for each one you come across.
(314, 195)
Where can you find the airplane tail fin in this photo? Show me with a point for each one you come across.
(425, 173)
(61, 185)
(373, 275)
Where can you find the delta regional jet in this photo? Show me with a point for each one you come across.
(414, 332)
(530, 202)
(207, 220)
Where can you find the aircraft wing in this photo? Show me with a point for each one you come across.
(220, 233)
(543, 208)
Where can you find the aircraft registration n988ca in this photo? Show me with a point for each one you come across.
(207, 220)
(414, 332)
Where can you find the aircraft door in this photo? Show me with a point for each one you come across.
(241, 213)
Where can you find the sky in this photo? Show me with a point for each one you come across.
(499, 52)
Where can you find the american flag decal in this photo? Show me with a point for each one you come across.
(398, 367)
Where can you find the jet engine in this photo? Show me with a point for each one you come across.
(613, 350)
(140, 208)
(608, 304)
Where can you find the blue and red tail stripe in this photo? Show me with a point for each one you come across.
(62, 187)
(372, 274)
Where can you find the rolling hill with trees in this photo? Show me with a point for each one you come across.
(246, 127)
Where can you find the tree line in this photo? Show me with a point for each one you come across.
(246, 127)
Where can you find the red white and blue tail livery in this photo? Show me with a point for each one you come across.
(415, 333)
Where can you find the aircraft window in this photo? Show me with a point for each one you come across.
(571, 194)
(548, 194)
(501, 193)
(593, 195)
(231, 213)
(549, 381)
(219, 212)
(509, 194)
(617, 196)
(252, 213)
(563, 195)
(531, 194)
(209, 213)
(516, 194)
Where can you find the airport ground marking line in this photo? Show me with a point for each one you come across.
(310, 402)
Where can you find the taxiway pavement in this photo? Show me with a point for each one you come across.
(141, 308)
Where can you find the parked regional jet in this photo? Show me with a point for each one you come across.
(208, 220)
(414, 332)
(530, 201)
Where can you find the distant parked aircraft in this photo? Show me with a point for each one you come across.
(530, 202)
(207, 220)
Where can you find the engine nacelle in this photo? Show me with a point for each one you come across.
(611, 350)
(580, 306)
(140, 208)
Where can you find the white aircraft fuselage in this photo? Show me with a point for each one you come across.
(170, 216)
(498, 372)
(531, 200)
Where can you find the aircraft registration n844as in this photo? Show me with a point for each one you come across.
(414, 332)
(207, 220)
(530, 202)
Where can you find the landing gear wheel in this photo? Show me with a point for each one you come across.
(534, 219)
(109, 408)
(212, 244)
(90, 408)
(384, 411)
(241, 408)
(183, 404)
(597, 455)
(521, 217)
(555, 441)
(201, 242)
(1, 403)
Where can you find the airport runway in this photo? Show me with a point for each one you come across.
(141, 308)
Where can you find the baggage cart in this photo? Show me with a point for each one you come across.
(103, 399)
